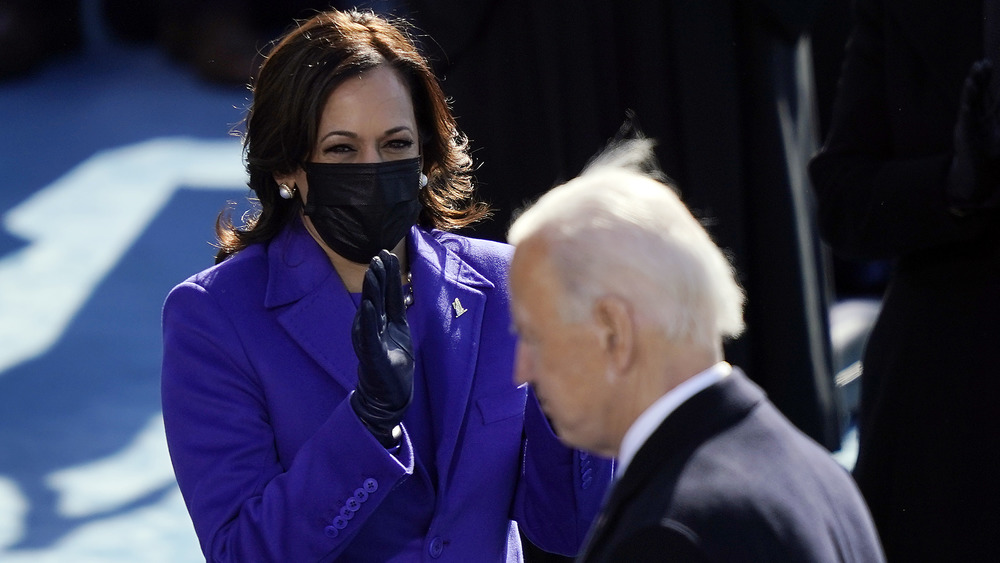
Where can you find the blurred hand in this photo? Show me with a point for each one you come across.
(382, 343)
(974, 178)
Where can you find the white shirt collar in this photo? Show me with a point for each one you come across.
(652, 417)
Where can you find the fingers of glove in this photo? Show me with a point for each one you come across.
(394, 308)
(373, 289)
(365, 334)
(401, 364)
(397, 337)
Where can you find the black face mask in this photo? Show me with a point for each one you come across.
(359, 209)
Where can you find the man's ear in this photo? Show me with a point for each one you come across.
(616, 322)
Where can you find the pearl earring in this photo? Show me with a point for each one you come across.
(285, 192)
(423, 180)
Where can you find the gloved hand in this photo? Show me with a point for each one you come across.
(974, 177)
(382, 343)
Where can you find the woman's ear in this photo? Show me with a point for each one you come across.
(288, 179)
(616, 322)
(291, 183)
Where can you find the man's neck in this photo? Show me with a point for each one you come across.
(659, 409)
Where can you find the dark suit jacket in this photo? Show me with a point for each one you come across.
(726, 477)
(928, 445)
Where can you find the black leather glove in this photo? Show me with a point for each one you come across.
(974, 178)
(382, 343)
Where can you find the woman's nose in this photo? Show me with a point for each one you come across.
(370, 155)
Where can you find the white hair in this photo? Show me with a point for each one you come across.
(616, 229)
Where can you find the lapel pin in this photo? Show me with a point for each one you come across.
(459, 309)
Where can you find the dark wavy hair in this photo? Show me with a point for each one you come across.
(289, 94)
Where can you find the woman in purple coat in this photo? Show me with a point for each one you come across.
(286, 447)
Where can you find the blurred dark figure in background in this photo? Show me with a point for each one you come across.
(32, 32)
(911, 172)
(724, 86)
(852, 277)
(827, 36)
(220, 40)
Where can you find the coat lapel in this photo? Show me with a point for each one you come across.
(317, 309)
(317, 312)
(453, 305)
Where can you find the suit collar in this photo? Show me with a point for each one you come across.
(654, 415)
(695, 421)
(692, 423)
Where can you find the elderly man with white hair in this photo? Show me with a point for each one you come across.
(621, 302)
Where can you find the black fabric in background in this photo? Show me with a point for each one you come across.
(539, 87)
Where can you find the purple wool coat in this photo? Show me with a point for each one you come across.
(273, 463)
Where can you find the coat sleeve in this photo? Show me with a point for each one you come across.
(877, 199)
(557, 481)
(245, 505)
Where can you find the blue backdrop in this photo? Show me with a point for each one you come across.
(115, 164)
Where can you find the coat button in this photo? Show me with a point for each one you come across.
(436, 547)
(340, 522)
(361, 495)
(346, 513)
(371, 485)
(352, 504)
(331, 532)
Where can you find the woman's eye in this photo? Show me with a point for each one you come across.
(339, 149)
(399, 144)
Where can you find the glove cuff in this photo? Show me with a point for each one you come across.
(384, 426)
